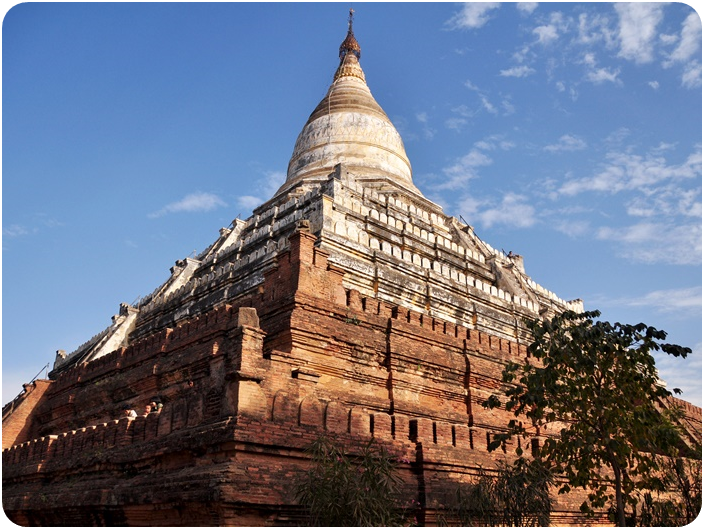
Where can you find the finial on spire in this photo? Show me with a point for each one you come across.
(350, 44)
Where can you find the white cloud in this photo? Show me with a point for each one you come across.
(526, 7)
(594, 29)
(461, 118)
(248, 201)
(493, 142)
(692, 75)
(428, 131)
(266, 189)
(654, 85)
(39, 222)
(567, 142)
(514, 210)
(667, 201)
(617, 137)
(517, 71)
(546, 34)
(487, 105)
(462, 110)
(689, 42)
(550, 32)
(600, 75)
(572, 228)
(455, 123)
(670, 300)
(471, 85)
(652, 242)
(626, 171)
(637, 29)
(464, 169)
(195, 202)
(668, 40)
(473, 15)
(508, 107)
(14, 230)
(273, 180)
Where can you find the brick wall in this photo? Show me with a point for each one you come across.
(246, 389)
(17, 415)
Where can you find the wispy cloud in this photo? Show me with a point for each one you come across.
(546, 34)
(193, 203)
(595, 29)
(37, 223)
(668, 300)
(464, 169)
(249, 202)
(629, 33)
(688, 43)
(517, 71)
(513, 210)
(657, 242)
(550, 31)
(692, 75)
(567, 142)
(667, 201)
(602, 75)
(473, 15)
(637, 29)
(625, 171)
(526, 7)
(572, 228)
(266, 188)
(14, 230)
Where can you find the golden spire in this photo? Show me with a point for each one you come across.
(349, 55)
(350, 44)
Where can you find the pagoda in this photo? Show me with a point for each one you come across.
(347, 304)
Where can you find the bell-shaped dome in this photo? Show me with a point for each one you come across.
(349, 127)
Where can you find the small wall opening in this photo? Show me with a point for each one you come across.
(413, 430)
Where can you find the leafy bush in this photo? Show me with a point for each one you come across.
(515, 494)
(340, 490)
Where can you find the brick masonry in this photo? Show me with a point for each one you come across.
(246, 388)
(348, 303)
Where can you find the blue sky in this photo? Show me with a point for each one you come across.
(568, 133)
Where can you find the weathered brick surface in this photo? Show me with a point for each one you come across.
(246, 388)
(16, 423)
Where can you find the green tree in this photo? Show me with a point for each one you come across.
(515, 495)
(599, 382)
(340, 490)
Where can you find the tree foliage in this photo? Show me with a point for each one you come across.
(600, 383)
(515, 495)
(340, 490)
(678, 500)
